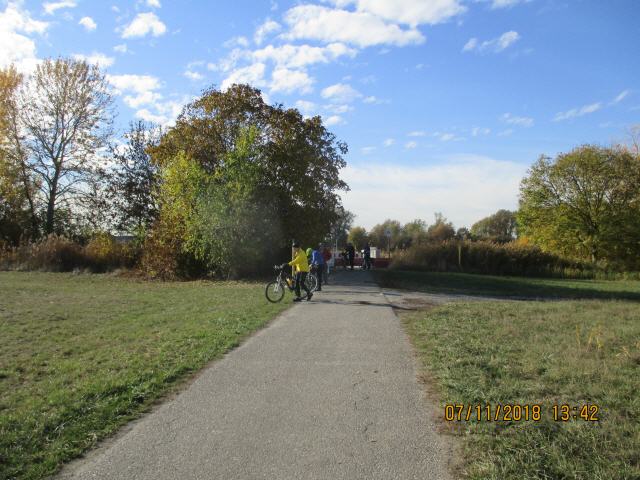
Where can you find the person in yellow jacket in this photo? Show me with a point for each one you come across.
(301, 265)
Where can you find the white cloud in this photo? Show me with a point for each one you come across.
(143, 24)
(251, 74)
(410, 145)
(88, 23)
(374, 100)
(192, 75)
(341, 92)
(577, 112)
(333, 120)
(166, 112)
(416, 133)
(464, 188)
(495, 45)
(506, 39)
(297, 56)
(514, 120)
(506, 3)
(144, 98)
(264, 30)
(133, 83)
(289, 81)
(96, 58)
(367, 150)
(505, 133)
(477, 131)
(388, 142)
(154, 3)
(334, 25)
(338, 107)
(146, 115)
(470, 45)
(138, 90)
(122, 48)
(239, 41)
(51, 7)
(306, 107)
(409, 12)
(16, 47)
(621, 96)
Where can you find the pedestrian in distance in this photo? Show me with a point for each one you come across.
(366, 264)
(351, 254)
(301, 266)
(328, 261)
(345, 258)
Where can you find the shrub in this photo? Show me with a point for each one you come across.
(56, 253)
(103, 253)
(52, 253)
(512, 258)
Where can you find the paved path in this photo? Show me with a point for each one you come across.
(327, 391)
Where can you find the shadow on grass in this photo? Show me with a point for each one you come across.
(508, 287)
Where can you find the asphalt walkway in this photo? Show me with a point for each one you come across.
(327, 391)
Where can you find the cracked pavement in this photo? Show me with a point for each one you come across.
(327, 391)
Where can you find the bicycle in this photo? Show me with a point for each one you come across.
(274, 291)
(312, 279)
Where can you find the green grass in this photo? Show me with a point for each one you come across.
(509, 287)
(80, 355)
(528, 352)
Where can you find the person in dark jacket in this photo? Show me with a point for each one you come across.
(367, 257)
(351, 254)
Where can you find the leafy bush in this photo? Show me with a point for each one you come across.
(513, 258)
(103, 253)
(161, 252)
(53, 253)
(56, 253)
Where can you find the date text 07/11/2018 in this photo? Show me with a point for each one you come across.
(519, 413)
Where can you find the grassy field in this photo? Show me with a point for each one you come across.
(80, 355)
(536, 353)
(509, 287)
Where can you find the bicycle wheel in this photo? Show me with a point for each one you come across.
(312, 282)
(274, 292)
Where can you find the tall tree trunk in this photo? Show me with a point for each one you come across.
(51, 203)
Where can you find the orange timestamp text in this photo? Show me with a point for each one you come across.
(519, 412)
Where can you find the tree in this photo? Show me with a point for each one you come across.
(414, 233)
(289, 175)
(134, 180)
(65, 110)
(463, 233)
(585, 205)
(340, 227)
(378, 236)
(441, 230)
(358, 237)
(17, 213)
(499, 227)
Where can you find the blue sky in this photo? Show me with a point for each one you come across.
(444, 103)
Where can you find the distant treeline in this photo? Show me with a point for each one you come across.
(579, 212)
